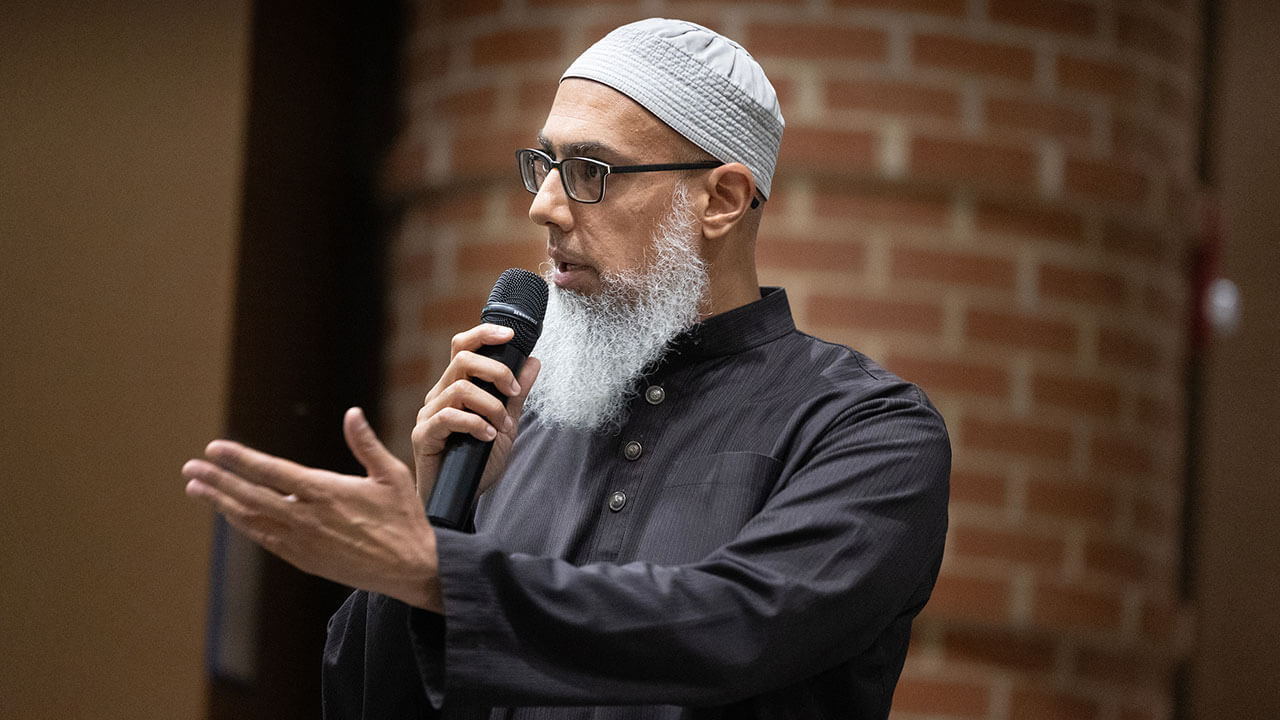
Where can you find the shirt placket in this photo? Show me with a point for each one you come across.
(638, 456)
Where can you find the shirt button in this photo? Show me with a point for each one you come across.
(632, 450)
(655, 395)
(617, 500)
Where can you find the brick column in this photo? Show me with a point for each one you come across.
(985, 195)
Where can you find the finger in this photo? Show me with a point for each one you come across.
(482, 334)
(465, 395)
(258, 467)
(528, 375)
(431, 435)
(232, 495)
(467, 364)
(367, 448)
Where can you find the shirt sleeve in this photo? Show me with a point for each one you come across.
(374, 667)
(849, 543)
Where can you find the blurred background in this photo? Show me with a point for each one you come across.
(238, 219)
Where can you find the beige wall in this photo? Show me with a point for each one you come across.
(1239, 647)
(120, 140)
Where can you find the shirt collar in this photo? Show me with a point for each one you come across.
(739, 329)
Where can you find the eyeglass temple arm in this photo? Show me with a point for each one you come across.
(664, 166)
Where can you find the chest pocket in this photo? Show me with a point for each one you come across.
(704, 503)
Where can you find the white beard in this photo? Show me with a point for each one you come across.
(594, 348)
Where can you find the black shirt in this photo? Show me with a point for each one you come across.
(753, 542)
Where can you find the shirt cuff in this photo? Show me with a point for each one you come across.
(472, 624)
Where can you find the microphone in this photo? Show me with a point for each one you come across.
(518, 301)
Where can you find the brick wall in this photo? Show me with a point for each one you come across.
(988, 196)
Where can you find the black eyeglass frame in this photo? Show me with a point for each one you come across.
(606, 167)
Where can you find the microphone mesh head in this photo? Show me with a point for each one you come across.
(526, 292)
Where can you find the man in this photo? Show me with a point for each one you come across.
(692, 509)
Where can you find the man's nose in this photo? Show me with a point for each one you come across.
(550, 204)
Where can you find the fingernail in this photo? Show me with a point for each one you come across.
(490, 433)
(515, 388)
(508, 425)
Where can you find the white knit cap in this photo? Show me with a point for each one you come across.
(701, 83)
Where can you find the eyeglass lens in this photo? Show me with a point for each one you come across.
(582, 179)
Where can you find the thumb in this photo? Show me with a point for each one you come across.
(367, 448)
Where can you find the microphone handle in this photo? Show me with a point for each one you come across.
(452, 499)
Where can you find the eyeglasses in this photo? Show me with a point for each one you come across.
(583, 178)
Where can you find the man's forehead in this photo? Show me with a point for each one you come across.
(589, 118)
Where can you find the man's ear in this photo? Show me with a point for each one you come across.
(730, 189)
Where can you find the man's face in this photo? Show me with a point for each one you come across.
(613, 236)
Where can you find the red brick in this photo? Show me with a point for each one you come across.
(849, 256)
(817, 41)
(1134, 669)
(1133, 139)
(1162, 304)
(1015, 437)
(979, 488)
(1157, 411)
(1118, 559)
(404, 168)
(1153, 517)
(572, 3)
(536, 95)
(1094, 287)
(1159, 622)
(1039, 116)
(1105, 181)
(899, 98)
(470, 8)
(1145, 33)
(953, 268)
(1140, 712)
(964, 597)
(415, 373)
(1109, 79)
(1132, 240)
(1073, 500)
(1027, 219)
(457, 206)
(1031, 704)
(965, 377)
(510, 47)
(875, 314)
(1173, 100)
(1120, 454)
(1056, 16)
(481, 152)
(849, 151)
(1021, 331)
(896, 205)
(414, 267)
(451, 314)
(1122, 349)
(973, 57)
(933, 696)
(1001, 649)
(971, 162)
(1070, 607)
(422, 68)
(1015, 546)
(493, 258)
(469, 104)
(1087, 396)
(948, 8)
